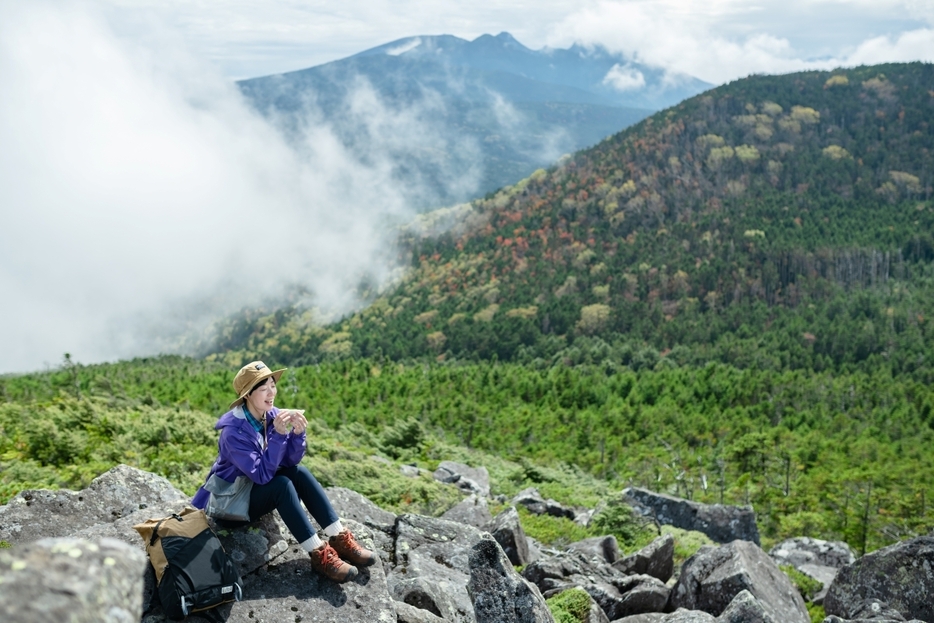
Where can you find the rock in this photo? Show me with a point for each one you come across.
(498, 593)
(901, 575)
(872, 611)
(683, 615)
(745, 609)
(533, 501)
(712, 578)
(604, 548)
(805, 550)
(617, 594)
(410, 614)
(508, 532)
(429, 596)
(66, 579)
(436, 552)
(719, 522)
(648, 617)
(467, 479)
(824, 575)
(655, 559)
(412, 471)
(121, 491)
(472, 510)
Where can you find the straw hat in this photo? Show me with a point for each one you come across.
(249, 375)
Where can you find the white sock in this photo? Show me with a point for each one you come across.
(334, 528)
(313, 543)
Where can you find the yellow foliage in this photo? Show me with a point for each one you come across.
(838, 80)
(754, 233)
(835, 152)
(709, 140)
(763, 132)
(789, 125)
(486, 315)
(601, 291)
(523, 312)
(569, 286)
(628, 188)
(906, 180)
(805, 115)
(538, 174)
(426, 317)
(718, 155)
(436, 340)
(593, 317)
(455, 318)
(338, 344)
(747, 153)
(598, 268)
(771, 109)
(746, 121)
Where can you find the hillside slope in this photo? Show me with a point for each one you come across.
(778, 221)
(486, 112)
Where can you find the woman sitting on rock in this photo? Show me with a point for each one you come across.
(266, 444)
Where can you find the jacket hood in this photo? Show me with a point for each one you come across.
(236, 417)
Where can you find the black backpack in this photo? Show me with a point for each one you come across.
(193, 572)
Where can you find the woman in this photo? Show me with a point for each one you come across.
(266, 444)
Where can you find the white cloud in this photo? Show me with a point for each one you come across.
(624, 78)
(137, 189)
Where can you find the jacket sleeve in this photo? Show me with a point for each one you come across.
(244, 451)
(295, 450)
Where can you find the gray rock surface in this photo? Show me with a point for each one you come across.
(683, 615)
(712, 577)
(508, 532)
(70, 580)
(872, 611)
(435, 551)
(617, 594)
(604, 548)
(745, 609)
(805, 550)
(117, 493)
(472, 510)
(901, 575)
(410, 614)
(498, 593)
(719, 522)
(532, 500)
(648, 617)
(655, 559)
(467, 479)
(824, 575)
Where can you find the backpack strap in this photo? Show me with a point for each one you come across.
(155, 531)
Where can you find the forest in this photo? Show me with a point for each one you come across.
(730, 301)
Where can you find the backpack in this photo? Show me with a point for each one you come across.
(193, 572)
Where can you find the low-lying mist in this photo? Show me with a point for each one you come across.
(141, 197)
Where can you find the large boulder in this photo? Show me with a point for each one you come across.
(411, 614)
(872, 611)
(901, 575)
(66, 579)
(533, 501)
(603, 548)
(745, 609)
(815, 558)
(468, 479)
(655, 559)
(719, 522)
(508, 532)
(473, 510)
(431, 557)
(617, 594)
(498, 593)
(714, 576)
(115, 494)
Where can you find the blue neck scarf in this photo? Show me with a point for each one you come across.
(256, 424)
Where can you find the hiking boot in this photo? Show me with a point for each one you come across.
(348, 548)
(325, 561)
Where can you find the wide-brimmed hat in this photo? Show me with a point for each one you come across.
(249, 375)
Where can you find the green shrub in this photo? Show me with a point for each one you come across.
(806, 585)
(570, 606)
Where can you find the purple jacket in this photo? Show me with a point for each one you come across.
(241, 453)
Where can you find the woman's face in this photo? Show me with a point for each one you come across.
(260, 401)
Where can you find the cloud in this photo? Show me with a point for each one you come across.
(728, 39)
(138, 191)
(624, 78)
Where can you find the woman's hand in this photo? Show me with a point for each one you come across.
(299, 423)
(282, 422)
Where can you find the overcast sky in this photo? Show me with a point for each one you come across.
(140, 195)
(716, 40)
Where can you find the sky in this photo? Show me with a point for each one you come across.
(141, 197)
(716, 40)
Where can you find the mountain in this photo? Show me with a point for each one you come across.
(457, 119)
(781, 222)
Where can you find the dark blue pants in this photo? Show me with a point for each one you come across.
(285, 492)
